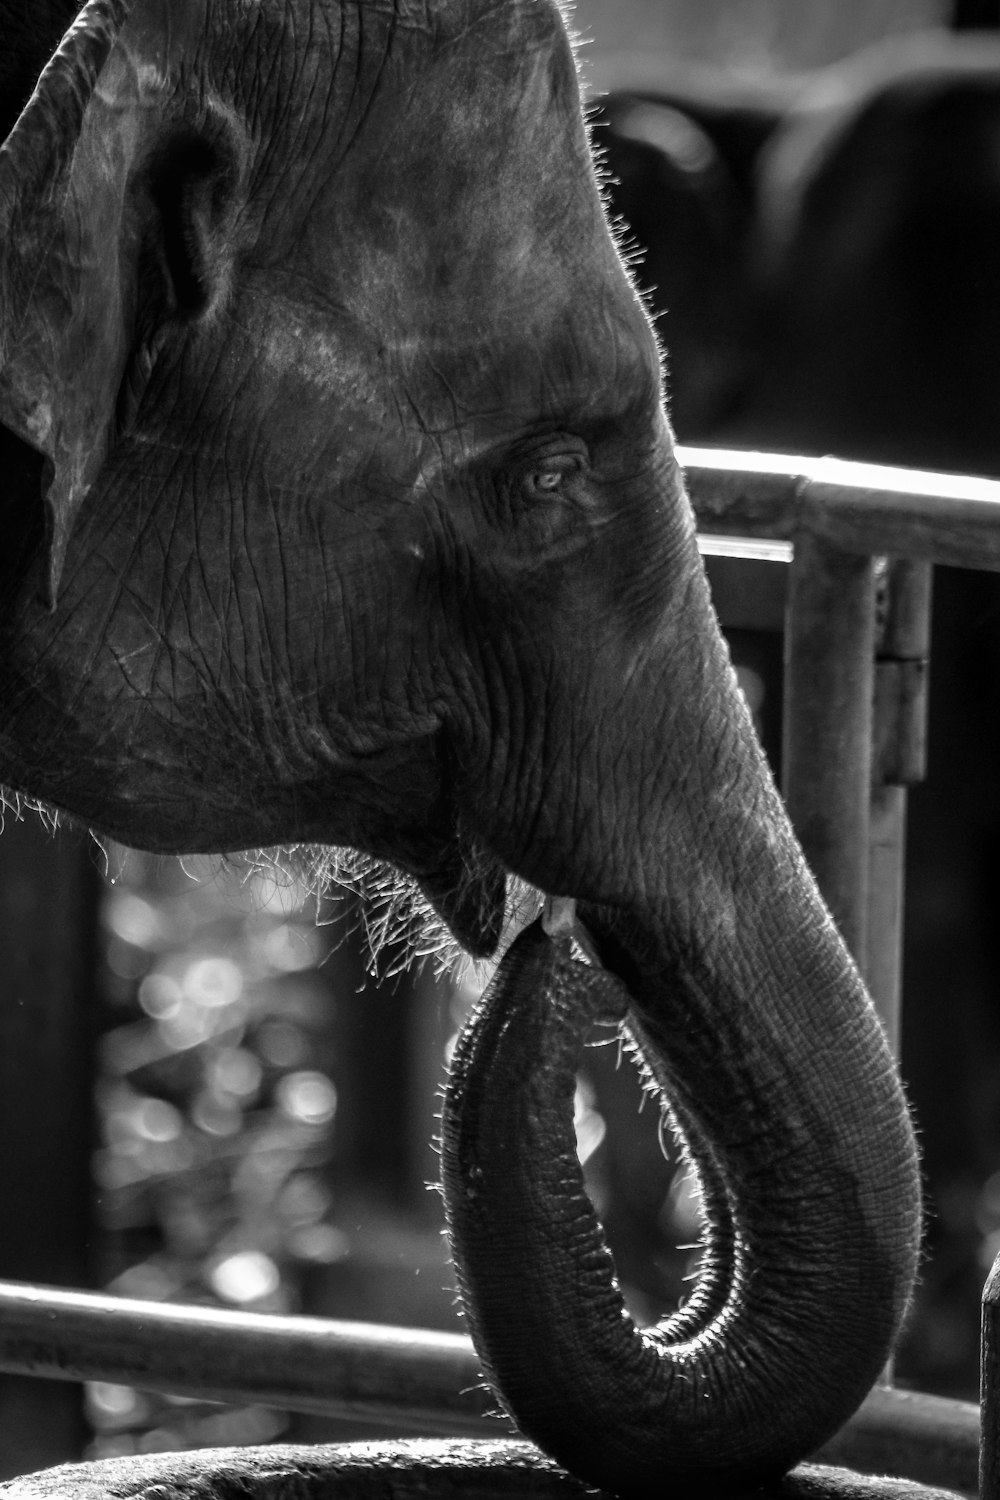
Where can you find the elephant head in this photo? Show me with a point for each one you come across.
(340, 506)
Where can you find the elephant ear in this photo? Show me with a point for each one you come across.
(101, 187)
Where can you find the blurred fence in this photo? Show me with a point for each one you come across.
(638, 42)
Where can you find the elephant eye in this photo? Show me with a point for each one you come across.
(545, 479)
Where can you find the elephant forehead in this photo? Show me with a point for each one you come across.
(471, 134)
(307, 74)
(472, 276)
(323, 71)
(417, 170)
(385, 397)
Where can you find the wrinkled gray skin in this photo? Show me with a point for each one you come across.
(362, 526)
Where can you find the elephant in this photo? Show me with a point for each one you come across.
(879, 210)
(851, 211)
(342, 508)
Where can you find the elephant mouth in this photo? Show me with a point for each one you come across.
(468, 888)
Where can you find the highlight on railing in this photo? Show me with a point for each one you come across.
(862, 508)
(858, 540)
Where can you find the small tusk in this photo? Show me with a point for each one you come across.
(559, 919)
(559, 916)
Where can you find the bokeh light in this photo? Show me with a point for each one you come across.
(247, 1277)
(216, 1117)
(307, 1096)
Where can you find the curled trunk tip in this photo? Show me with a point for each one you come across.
(803, 1285)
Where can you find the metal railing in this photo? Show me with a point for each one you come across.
(852, 546)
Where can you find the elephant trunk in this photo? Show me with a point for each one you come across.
(757, 1029)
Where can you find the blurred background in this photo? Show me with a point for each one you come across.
(206, 1097)
(630, 41)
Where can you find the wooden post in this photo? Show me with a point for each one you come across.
(826, 761)
(49, 891)
(898, 762)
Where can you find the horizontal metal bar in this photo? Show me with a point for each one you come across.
(416, 1378)
(745, 549)
(866, 508)
(413, 1377)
